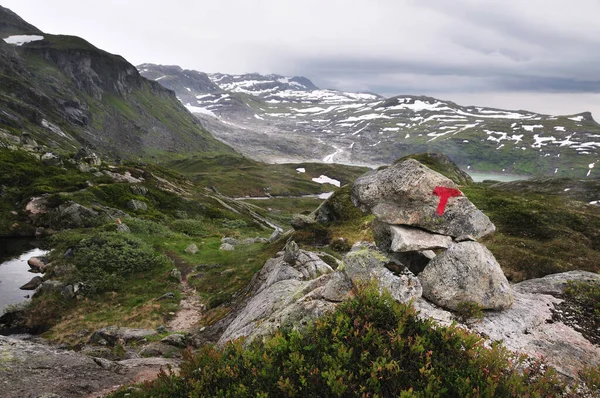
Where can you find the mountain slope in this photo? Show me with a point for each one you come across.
(67, 93)
(264, 118)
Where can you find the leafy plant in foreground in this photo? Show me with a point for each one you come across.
(369, 346)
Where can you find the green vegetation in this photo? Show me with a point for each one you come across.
(468, 312)
(538, 234)
(369, 346)
(239, 177)
(104, 260)
(587, 294)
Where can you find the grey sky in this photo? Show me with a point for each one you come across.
(540, 55)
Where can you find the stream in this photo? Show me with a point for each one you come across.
(14, 271)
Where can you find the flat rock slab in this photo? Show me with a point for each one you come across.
(466, 272)
(529, 327)
(400, 238)
(403, 194)
(30, 369)
(112, 334)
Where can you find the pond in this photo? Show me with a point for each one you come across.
(14, 271)
(502, 177)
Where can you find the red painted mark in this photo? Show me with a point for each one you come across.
(445, 194)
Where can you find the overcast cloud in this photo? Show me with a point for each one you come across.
(540, 55)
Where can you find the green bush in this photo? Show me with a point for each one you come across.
(105, 258)
(234, 224)
(586, 294)
(371, 346)
(189, 227)
(468, 312)
(147, 227)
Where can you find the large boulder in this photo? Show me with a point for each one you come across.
(284, 294)
(400, 238)
(466, 273)
(403, 194)
(137, 205)
(50, 159)
(365, 263)
(74, 215)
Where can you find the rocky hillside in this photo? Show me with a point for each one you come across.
(66, 93)
(274, 117)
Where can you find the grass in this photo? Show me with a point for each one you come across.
(240, 177)
(538, 234)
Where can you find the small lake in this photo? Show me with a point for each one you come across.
(14, 271)
(502, 177)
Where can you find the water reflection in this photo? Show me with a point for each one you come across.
(14, 271)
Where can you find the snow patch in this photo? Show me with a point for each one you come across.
(301, 170)
(323, 179)
(198, 109)
(19, 40)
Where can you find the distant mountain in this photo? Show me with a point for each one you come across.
(66, 93)
(276, 118)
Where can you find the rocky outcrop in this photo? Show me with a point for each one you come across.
(34, 369)
(297, 287)
(530, 326)
(403, 194)
(73, 215)
(466, 273)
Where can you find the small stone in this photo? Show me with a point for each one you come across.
(226, 247)
(292, 251)
(68, 292)
(300, 221)
(163, 328)
(465, 238)
(175, 274)
(275, 235)
(166, 296)
(36, 263)
(192, 249)
(32, 284)
(176, 340)
(139, 190)
(50, 159)
(230, 241)
(123, 228)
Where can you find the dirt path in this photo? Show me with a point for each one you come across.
(189, 313)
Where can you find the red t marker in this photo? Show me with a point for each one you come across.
(445, 194)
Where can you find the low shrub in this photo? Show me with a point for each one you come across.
(189, 227)
(587, 294)
(105, 258)
(233, 224)
(147, 227)
(370, 346)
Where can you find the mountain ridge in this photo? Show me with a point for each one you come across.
(264, 119)
(66, 93)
